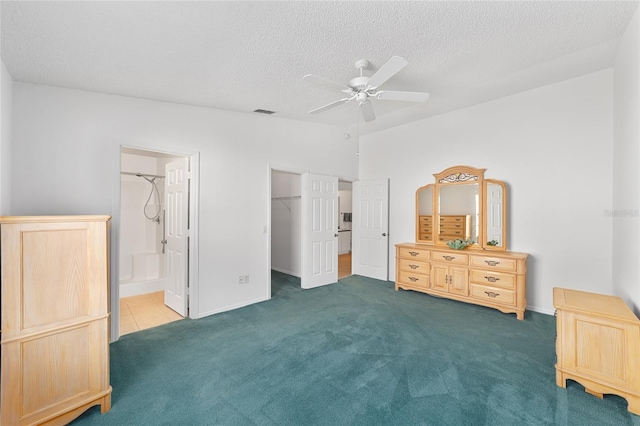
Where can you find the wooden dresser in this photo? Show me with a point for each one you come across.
(55, 310)
(454, 227)
(598, 344)
(493, 279)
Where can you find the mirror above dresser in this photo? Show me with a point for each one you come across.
(462, 205)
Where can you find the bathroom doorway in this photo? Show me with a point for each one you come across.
(153, 238)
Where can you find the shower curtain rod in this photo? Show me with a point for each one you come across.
(141, 174)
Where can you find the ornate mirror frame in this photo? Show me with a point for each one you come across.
(484, 226)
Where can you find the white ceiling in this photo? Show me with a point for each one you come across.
(242, 56)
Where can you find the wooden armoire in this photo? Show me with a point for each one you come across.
(55, 318)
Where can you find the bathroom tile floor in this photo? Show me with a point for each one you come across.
(144, 311)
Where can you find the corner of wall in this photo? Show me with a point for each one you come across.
(6, 118)
(626, 167)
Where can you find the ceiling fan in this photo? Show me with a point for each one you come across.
(362, 87)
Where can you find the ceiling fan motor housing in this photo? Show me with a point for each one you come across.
(359, 83)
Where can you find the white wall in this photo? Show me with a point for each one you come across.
(67, 145)
(552, 146)
(626, 167)
(6, 95)
(286, 231)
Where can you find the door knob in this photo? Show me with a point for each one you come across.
(335, 235)
(384, 234)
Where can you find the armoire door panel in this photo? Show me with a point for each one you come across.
(54, 267)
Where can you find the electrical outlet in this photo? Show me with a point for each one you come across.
(246, 278)
(241, 279)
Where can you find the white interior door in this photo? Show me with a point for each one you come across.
(176, 225)
(370, 239)
(319, 230)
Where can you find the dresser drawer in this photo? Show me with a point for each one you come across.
(413, 279)
(426, 229)
(493, 278)
(452, 219)
(452, 226)
(455, 233)
(425, 220)
(410, 265)
(426, 236)
(494, 294)
(450, 257)
(494, 263)
(413, 253)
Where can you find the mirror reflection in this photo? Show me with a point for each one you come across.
(459, 210)
(495, 215)
(425, 213)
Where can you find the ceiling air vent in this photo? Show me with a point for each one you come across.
(263, 111)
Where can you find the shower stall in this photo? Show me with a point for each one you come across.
(142, 226)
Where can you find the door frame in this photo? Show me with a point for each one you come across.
(194, 233)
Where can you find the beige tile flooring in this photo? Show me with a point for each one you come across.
(344, 265)
(144, 311)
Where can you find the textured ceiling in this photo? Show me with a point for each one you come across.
(246, 55)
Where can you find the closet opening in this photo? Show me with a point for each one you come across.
(286, 230)
(286, 233)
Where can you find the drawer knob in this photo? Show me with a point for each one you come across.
(414, 279)
(414, 266)
(492, 279)
(492, 294)
(449, 258)
(414, 253)
(491, 262)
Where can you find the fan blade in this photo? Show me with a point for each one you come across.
(329, 106)
(388, 70)
(322, 82)
(367, 111)
(403, 96)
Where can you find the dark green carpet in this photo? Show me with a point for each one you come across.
(356, 352)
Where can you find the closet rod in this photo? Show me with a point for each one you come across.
(290, 197)
(141, 175)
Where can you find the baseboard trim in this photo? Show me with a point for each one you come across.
(540, 310)
(232, 307)
(284, 271)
